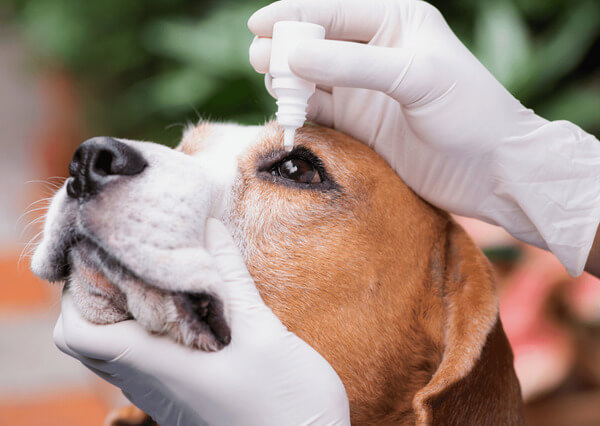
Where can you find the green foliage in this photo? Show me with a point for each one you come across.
(527, 66)
(545, 52)
(144, 64)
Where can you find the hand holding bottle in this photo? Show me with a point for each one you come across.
(393, 75)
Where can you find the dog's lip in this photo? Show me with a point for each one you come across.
(189, 300)
(108, 260)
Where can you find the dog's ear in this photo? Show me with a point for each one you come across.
(475, 382)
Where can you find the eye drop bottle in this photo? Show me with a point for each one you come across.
(292, 92)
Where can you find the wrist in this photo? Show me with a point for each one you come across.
(547, 190)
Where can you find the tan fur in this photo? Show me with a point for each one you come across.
(193, 137)
(390, 290)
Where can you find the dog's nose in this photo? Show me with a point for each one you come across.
(98, 161)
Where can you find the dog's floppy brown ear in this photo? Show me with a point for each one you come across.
(475, 382)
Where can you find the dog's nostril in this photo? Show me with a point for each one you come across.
(77, 156)
(97, 161)
(74, 166)
(103, 163)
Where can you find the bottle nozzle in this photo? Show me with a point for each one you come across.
(289, 134)
(291, 91)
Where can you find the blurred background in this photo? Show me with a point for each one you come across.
(72, 69)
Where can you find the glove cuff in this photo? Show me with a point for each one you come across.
(547, 191)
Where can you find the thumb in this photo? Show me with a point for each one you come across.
(348, 64)
(231, 265)
(59, 338)
(250, 317)
(80, 338)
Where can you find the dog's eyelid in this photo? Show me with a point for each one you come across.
(268, 164)
(275, 157)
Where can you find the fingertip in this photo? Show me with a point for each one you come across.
(215, 228)
(217, 236)
(259, 54)
(58, 335)
(227, 257)
(68, 311)
(81, 338)
(260, 23)
(253, 23)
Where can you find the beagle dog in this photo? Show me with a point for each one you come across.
(389, 289)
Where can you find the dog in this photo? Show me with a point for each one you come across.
(388, 288)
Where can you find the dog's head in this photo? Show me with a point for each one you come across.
(386, 287)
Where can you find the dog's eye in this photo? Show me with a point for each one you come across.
(298, 170)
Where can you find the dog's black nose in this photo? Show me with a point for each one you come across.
(98, 161)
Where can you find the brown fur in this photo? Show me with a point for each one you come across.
(390, 290)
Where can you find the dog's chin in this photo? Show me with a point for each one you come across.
(50, 260)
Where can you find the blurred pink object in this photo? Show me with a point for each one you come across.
(583, 298)
(484, 234)
(544, 350)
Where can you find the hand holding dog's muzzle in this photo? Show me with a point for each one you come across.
(393, 75)
(266, 375)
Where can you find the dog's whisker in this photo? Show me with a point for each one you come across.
(28, 249)
(29, 212)
(31, 224)
(197, 113)
(170, 126)
(27, 253)
(53, 185)
(34, 221)
(45, 199)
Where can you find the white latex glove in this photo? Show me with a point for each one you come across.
(265, 376)
(394, 76)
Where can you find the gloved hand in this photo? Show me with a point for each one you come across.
(394, 76)
(266, 376)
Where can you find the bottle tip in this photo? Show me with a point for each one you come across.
(289, 134)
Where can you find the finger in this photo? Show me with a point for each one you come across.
(59, 338)
(325, 88)
(98, 342)
(260, 54)
(356, 20)
(347, 64)
(320, 108)
(98, 367)
(229, 260)
(250, 317)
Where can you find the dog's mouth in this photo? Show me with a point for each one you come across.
(105, 276)
(165, 289)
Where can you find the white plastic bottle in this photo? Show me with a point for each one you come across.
(292, 92)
